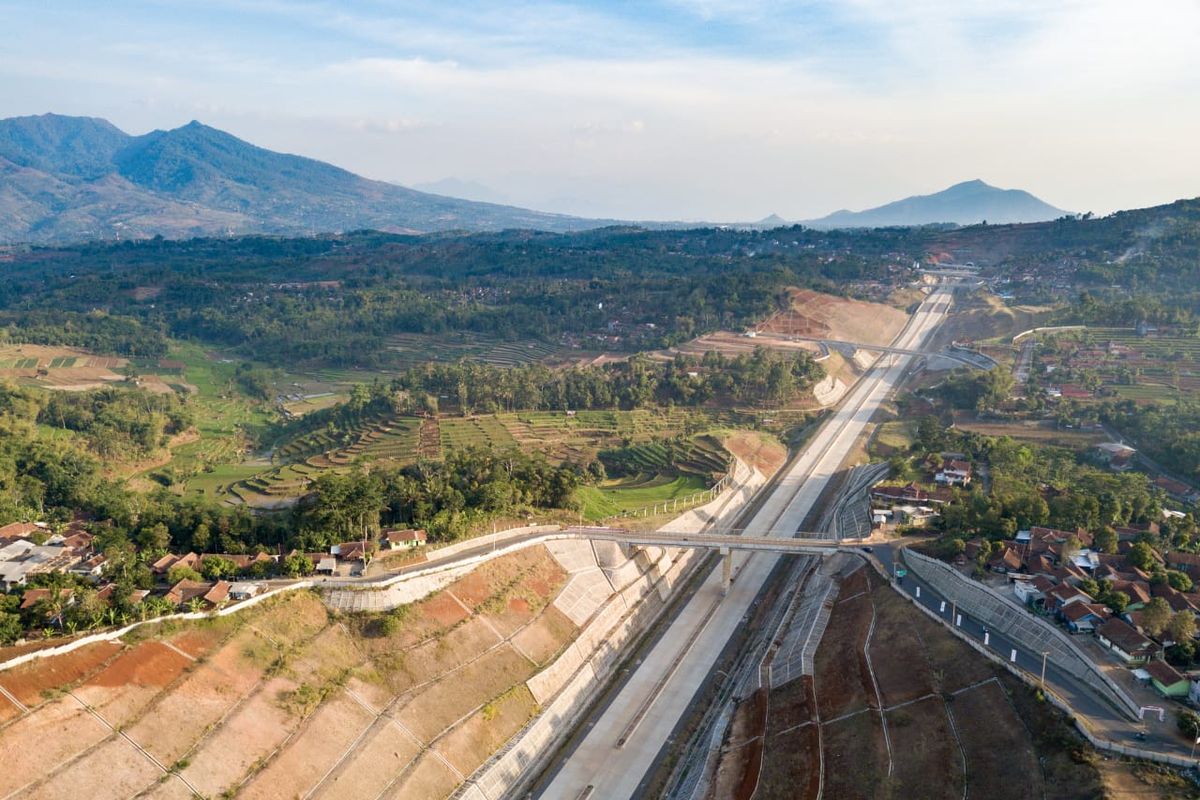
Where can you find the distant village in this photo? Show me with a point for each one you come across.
(47, 566)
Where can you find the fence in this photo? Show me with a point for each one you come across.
(986, 605)
(108, 636)
(733, 476)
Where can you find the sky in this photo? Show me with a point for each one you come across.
(718, 110)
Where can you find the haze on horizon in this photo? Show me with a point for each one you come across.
(672, 109)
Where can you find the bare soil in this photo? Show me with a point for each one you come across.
(999, 747)
(314, 751)
(486, 731)
(113, 770)
(825, 316)
(28, 681)
(843, 681)
(856, 761)
(928, 761)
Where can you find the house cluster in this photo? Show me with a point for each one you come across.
(349, 556)
(30, 548)
(1050, 571)
(910, 504)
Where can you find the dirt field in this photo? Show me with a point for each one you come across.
(1043, 432)
(285, 700)
(65, 368)
(825, 316)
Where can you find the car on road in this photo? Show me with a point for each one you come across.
(866, 548)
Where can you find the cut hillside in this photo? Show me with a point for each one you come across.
(290, 700)
(825, 316)
(896, 707)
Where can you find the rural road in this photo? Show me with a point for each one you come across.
(610, 760)
(1101, 718)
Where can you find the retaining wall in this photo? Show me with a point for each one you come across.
(988, 606)
(1052, 696)
(572, 681)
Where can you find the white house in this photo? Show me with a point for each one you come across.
(954, 473)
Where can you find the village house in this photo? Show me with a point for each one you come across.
(954, 473)
(1084, 617)
(1063, 595)
(403, 539)
(1121, 638)
(1178, 490)
(1166, 680)
(1118, 457)
(182, 593)
(243, 590)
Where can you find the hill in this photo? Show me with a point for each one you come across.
(964, 203)
(66, 179)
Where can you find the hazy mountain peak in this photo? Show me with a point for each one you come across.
(82, 178)
(965, 203)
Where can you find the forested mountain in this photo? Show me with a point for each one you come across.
(964, 203)
(78, 178)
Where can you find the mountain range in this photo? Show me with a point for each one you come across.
(68, 179)
(65, 179)
(966, 203)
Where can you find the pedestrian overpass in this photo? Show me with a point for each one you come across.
(809, 544)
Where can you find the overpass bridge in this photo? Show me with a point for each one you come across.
(967, 358)
(726, 543)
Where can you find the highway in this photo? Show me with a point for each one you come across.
(610, 760)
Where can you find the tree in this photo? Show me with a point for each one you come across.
(1181, 654)
(1181, 627)
(1117, 601)
(297, 565)
(182, 572)
(1189, 724)
(1156, 615)
(1106, 540)
(155, 538)
(215, 568)
(1071, 548)
(1141, 555)
(1179, 580)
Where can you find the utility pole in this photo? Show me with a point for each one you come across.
(1044, 654)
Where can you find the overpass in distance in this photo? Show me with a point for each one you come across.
(970, 361)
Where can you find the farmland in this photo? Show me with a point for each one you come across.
(64, 368)
(662, 475)
(287, 700)
(1118, 362)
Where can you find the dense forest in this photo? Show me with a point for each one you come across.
(1170, 434)
(335, 300)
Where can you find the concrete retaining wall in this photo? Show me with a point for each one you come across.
(597, 649)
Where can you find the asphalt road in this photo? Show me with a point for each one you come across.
(614, 755)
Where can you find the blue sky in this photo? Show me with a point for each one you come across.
(692, 109)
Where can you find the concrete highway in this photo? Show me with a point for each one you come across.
(610, 760)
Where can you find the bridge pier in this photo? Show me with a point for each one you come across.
(726, 570)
